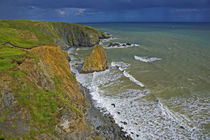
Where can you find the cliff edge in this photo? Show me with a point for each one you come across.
(39, 96)
(29, 34)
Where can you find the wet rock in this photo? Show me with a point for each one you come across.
(182, 127)
(98, 128)
(157, 101)
(114, 44)
(118, 113)
(128, 44)
(68, 58)
(125, 123)
(137, 135)
(113, 121)
(113, 105)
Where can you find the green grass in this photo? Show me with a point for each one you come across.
(62, 96)
(10, 57)
(3, 115)
(26, 34)
(43, 105)
(29, 34)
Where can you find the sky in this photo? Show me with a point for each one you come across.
(79, 11)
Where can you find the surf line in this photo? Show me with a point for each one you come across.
(120, 66)
(132, 79)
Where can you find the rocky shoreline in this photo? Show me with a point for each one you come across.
(103, 125)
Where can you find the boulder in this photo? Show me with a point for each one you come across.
(96, 61)
(114, 44)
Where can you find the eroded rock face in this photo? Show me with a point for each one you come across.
(96, 61)
(78, 36)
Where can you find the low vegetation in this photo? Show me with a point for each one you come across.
(29, 34)
(40, 105)
(37, 89)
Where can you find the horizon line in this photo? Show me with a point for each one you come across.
(113, 21)
(142, 22)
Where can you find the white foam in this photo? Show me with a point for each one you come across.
(197, 110)
(133, 79)
(102, 41)
(142, 117)
(147, 59)
(121, 65)
(180, 119)
(83, 48)
(146, 119)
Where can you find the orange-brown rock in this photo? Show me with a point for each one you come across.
(54, 65)
(96, 61)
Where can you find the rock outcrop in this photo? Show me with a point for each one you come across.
(77, 35)
(96, 61)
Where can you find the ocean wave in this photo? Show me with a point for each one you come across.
(139, 117)
(147, 59)
(107, 40)
(197, 110)
(182, 120)
(122, 67)
(132, 79)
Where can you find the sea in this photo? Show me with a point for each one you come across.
(158, 82)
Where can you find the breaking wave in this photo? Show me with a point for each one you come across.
(132, 79)
(147, 59)
(122, 67)
(139, 116)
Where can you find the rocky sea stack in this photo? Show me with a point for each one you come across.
(96, 61)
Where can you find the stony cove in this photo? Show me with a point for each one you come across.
(40, 97)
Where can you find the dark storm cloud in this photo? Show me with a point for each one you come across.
(106, 10)
(110, 4)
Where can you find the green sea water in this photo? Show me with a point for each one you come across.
(174, 101)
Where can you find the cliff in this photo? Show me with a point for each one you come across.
(29, 34)
(39, 96)
(96, 61)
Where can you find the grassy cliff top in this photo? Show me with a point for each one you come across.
(28, 34)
